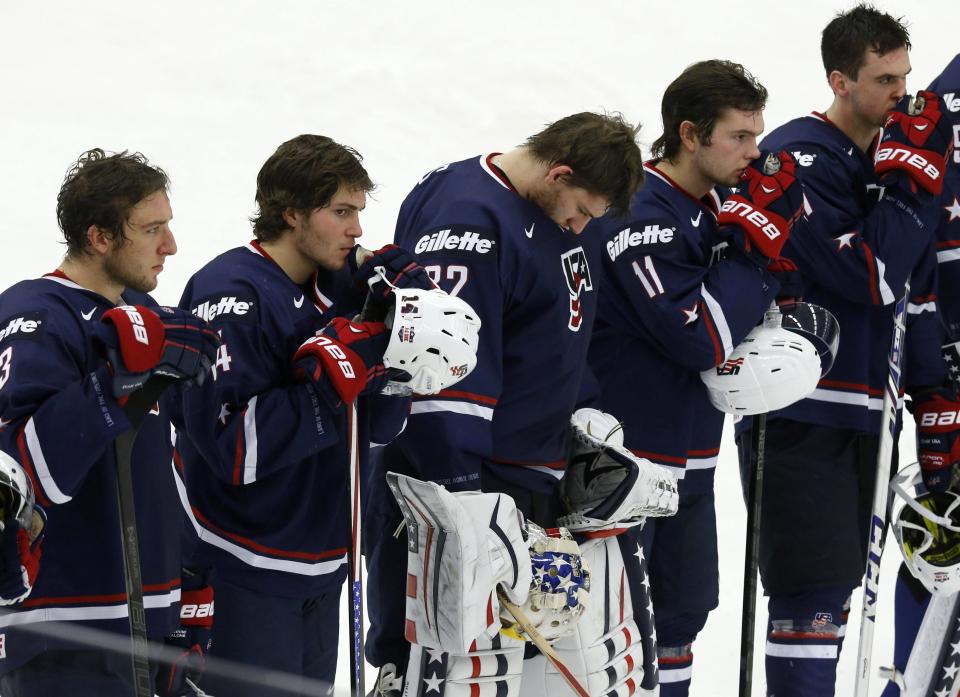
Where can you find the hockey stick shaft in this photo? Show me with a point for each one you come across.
(545, 648)
(751, 560)
(878, 516)
(355, 606)
(136, 409)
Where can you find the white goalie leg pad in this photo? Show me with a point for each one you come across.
(605, 486)
(460, 548)
(605, 651)
(493, 667)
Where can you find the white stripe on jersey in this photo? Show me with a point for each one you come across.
(720, 320)
(701, 463)
(486, 168)
(948, 255)
(825, 651)
(853, 398)
(885, 293)
(250, 441)
(668, 674)
(89, 612)
(50, 487)
(913, 309)
(430, 405)
(246, 556)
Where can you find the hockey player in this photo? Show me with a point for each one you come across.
(939, 437)
(872, 212)
(265, 451)
(682, 288)
(503, 231)
(74, 345)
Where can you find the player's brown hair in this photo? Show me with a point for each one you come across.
(700, 95)
(602, 151)
(102, 190)
(849, 35)
(304, 173)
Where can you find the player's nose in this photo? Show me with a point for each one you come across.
(168, 246)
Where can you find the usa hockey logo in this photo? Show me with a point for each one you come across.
(406, 334)
(576, 271)
(458, 371)
(821, 620)
(731, 367)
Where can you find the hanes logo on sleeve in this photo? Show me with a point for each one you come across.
(458, 239)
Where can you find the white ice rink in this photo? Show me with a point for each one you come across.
(207, 90)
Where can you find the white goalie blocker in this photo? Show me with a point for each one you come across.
(606, 487)
(778, 363)
(433, 340)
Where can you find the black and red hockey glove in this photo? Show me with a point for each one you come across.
(767, 202)
(346, 357)
(937, 415)
(917, 139)
(141, 342)
(192, 637)
(20, 552)
(789, 278)
(400, 268)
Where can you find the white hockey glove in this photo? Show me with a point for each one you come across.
(606, 487)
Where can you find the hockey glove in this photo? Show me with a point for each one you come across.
(767, 203)
(20, 552)
(789, 278)
(167, 341)
(345, 358)
(400, 269)
(917, 139)
(937, 415)
(192, 637)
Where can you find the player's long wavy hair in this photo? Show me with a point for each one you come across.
(102, 189)
(602, 151)
(304, 173)
(700, 95)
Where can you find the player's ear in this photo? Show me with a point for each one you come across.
(838, 83)
(100, 240)
(559, 173)
(687, 130)
(291, 216)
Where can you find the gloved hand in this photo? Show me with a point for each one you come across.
(915, 145)
(937, 415)
(789, 278)
(20, 552)
(400, 268)
(141, 342)
(768, 201)
(346, 358)
(192, 637)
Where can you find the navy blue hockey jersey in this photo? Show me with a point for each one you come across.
(855, 248)
(531, 283)
(677, 296)
(265, 458)
(948, 231)
(58, 417)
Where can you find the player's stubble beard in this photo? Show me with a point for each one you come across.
(125, 272)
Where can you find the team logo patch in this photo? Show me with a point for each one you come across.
(731, 367)
(458, 371)
(227, 307)
(576, 271)
(822, 619)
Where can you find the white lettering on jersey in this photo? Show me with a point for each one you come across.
(208, 310)
(18, 325)
(465, 242)
(804, 159)
(952, 101)
(626, 238)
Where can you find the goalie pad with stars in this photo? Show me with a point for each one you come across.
(491, 667)
(606, 488)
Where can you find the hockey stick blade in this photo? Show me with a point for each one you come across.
(537, 638)
(136, 409)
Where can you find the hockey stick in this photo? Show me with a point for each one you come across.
(878, 518)
(136, 408)
(545, 648)
(355, 606)
(751, 560)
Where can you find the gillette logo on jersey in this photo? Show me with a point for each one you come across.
(447, 240)
(626, 238)
(209, 309)
(24, 324)
(577, 273)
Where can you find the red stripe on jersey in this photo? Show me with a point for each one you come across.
(703, 453)
(803, 635)
(99, 599)
(708, 322)
(660, 457)
(256, 546)
(948, 244)
(499, 173)
(238, 458)
(27, 463)
(178, 461)
(872, 269)
(457, 394)
(674, 660)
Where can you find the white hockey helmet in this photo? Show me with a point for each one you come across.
(433, 339)
(16, 493)
(770, 369)
(927, 528)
